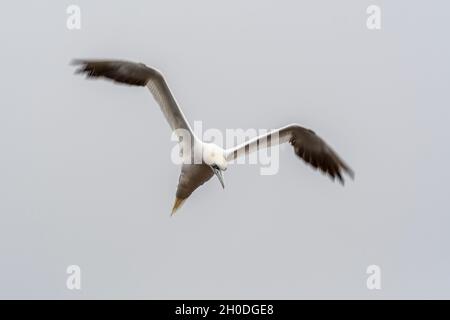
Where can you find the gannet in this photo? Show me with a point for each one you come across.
(213, 159)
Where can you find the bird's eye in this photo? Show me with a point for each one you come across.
(215, 166)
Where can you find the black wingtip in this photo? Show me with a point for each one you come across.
(350, 173)
(80, 64)
(77, 62)
(340, 178)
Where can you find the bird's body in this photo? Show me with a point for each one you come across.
(201, 161)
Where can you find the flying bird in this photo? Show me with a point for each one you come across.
(213, 160)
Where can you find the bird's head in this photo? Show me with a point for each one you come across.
(214, 156)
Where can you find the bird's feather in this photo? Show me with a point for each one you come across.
(307, 145)
(138, 74)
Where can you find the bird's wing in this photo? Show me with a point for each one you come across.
(138, 74)
(307, 145)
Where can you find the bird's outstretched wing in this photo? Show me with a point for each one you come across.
(307, 145)
(137, 74)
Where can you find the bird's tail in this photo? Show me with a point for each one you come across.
(178, 203)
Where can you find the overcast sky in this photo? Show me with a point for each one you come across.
(85, 171)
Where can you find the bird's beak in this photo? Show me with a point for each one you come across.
(219, 175)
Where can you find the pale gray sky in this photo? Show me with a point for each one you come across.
(86, 176)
